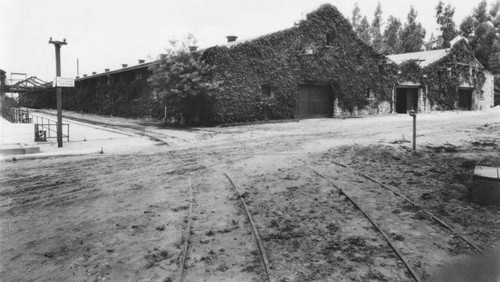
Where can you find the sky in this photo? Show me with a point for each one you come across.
(107, 33)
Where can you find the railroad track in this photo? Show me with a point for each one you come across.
(418, 243)
(434, 217)
(363, 198)
(195, 229)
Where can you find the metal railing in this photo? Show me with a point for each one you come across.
(47, 128)
(44, 127)
(17, 115)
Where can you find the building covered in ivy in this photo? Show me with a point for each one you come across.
(317, 68)
(444, 79)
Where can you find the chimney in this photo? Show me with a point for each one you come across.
(106, 70)
(124, 65)
(94, 72)
(193, 48)
(141, 61)
(231, 38)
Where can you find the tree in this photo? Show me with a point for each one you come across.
(434, 42)
(467, 27)
(413, 34)
(495, 8)
(356, 17)
(363, 31)
(444, 17)
(181, 80)
(376, 33)
(392, 32)
(480, 13)
(494, 58)
(360, 25)
(483, 31)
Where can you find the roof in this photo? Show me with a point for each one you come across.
(237, 42)
(246, 40)
(426, 57)
(125, 69)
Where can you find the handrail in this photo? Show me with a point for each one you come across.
(47, 125)
(42, 124)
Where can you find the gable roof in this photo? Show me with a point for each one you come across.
(426, 57)
(304, 17)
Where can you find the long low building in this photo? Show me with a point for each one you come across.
(317, 68)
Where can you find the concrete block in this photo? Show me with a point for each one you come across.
(486, 185)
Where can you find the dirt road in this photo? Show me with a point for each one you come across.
(123, 217)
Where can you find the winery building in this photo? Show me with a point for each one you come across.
(444, 79)
(317, 68)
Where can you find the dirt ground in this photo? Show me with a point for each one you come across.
(123, 216)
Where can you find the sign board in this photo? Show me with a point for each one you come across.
(63, 82)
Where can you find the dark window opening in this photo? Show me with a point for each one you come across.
(369, 93)
(266, 91)
(329, 40)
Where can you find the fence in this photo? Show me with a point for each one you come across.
(17, 115)
(47, 128)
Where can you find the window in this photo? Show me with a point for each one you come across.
(266, 91)
(139, 75)
(370, 94)
(329, 40)
(481, 95)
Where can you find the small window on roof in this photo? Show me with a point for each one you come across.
(266, 91)
(329, 39)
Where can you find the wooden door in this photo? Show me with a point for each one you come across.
(315, 101)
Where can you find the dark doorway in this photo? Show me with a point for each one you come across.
(406, 100)
(315, 101)
(464, 99)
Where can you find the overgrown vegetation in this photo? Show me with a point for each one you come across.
(294, 56)
(443, 78)
(181, 81)
(481, 28)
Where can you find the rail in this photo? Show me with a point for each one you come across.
(47, 128)
(17, 115)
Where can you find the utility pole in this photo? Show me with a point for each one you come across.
(57, 45)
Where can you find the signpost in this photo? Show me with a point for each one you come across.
(57, 45)
(414, 115)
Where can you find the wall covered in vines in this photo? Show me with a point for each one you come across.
(132, 99)
(443, 78)
(320, 49)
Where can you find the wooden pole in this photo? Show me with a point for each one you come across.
(414, 132)
(57, 45)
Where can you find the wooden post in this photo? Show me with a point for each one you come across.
(414, 115)
(57, 45)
